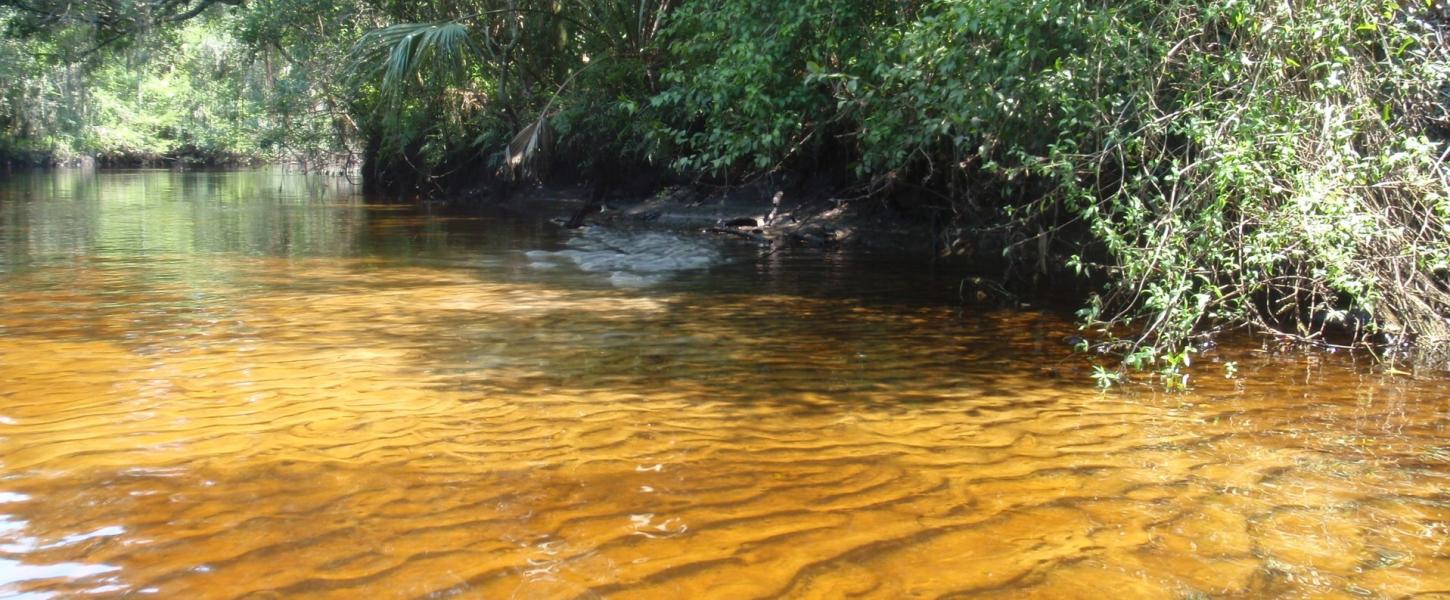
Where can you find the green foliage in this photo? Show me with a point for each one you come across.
(412, 55)
(1104, 377)
(171, 102)
(195, 90)
(1212, 163)
(297, 50)
(1278, 167)
(1000, 84)
(749, 83)
(481, 74)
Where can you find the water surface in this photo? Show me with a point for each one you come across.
(256, 385)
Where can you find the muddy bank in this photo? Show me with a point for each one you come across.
(826, 223)
(776, 222)
(773, 219)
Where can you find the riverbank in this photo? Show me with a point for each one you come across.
(775, 220)
(799, 216)
(983, 277)
(1184, 167)
(340, 165)
(50, 160)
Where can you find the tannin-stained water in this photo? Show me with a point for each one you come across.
(254, 384)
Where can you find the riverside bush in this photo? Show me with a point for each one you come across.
(1213, 163)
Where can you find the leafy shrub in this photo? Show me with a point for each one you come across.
(1215, 163)
(741, 88)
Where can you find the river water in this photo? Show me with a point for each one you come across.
(258, 385)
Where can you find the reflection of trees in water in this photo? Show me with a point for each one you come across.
(128, 214)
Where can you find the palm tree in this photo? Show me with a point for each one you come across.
(507, 66)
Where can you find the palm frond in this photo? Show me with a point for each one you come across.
(409, 53)
(532, 141)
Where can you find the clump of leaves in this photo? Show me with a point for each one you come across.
(1213, 164)
(1104, 377)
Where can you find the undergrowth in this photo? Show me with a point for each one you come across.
(1272, 164)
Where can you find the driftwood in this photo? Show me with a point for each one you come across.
(577, 220)
(749, 235)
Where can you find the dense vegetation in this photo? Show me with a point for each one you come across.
(162, 82)
(1204, 164)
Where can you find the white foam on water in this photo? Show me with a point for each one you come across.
(630, 258)
(627, 280)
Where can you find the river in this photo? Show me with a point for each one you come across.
(257, 384)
